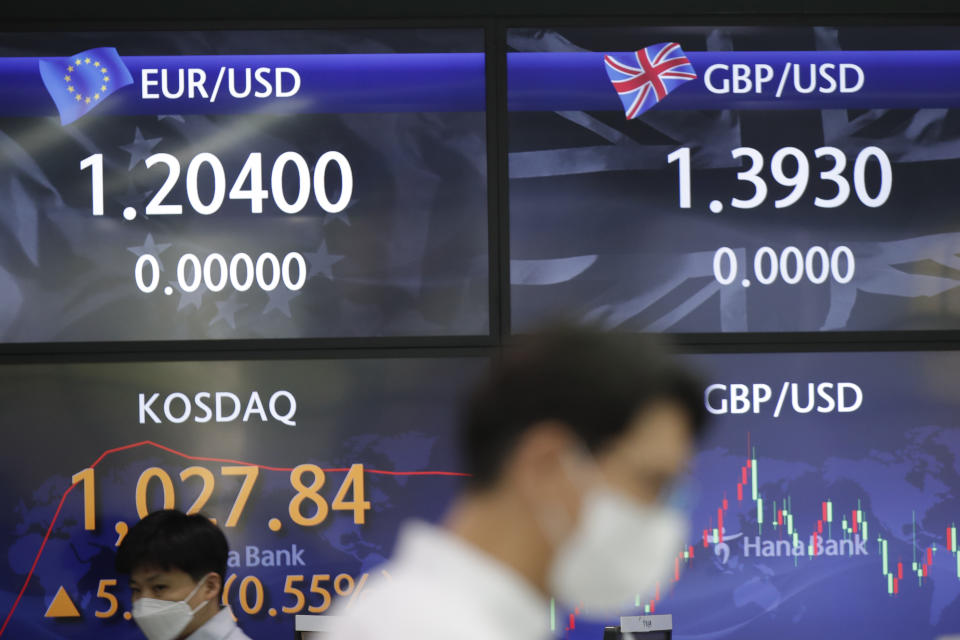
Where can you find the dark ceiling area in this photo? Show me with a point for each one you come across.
(291, 10)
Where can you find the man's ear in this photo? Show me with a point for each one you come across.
(211, 586)
(536, 466)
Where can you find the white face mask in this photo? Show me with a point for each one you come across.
(163, 619)
(618, 549)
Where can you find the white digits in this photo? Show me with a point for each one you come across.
(247, 186)
(215, 272)
(790, 265)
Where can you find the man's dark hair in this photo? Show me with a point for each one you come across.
(171, 539)
(594, 382)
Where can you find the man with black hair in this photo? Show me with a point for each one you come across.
(574, 442)
(176, 565)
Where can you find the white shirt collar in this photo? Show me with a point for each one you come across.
(219, 627)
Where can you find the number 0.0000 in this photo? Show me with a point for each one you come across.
(790, 265)
(215, 272)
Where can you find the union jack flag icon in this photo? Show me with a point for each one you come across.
(644, 78)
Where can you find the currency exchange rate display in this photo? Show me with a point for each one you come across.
(825, 502)
(242, 184)
(308, 466)
(726, 179)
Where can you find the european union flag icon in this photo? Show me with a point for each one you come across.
(79, 83)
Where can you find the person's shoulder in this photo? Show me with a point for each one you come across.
(405, 606)
(237, 634)
(222, 626)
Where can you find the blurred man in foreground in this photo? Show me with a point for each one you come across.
(572, 442)
(176, 565)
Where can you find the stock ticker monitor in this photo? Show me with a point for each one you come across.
(332, 186)
(734, 179)
(243, 184)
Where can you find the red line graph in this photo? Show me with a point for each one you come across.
(150, 443)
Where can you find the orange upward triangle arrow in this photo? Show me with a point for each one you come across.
(62, 606)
